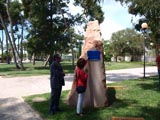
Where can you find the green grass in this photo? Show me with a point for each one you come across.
(9, 70)
(125, 65)
(30, 69)
(138, 98)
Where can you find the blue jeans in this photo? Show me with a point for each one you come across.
(80, 102)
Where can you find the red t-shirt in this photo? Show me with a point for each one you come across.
(81, 77)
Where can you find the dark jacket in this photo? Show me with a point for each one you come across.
(57, 75)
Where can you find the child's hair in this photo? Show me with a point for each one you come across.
(81, 63)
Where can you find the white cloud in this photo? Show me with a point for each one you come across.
(108, 27)
(116, 17)
(74, 10)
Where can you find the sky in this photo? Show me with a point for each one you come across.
(116, 17)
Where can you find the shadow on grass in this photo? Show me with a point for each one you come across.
(130, 108)
(132, 104)
(151, 112)
(121, 108)
(68, 113)
(118, 103)
(150, 83)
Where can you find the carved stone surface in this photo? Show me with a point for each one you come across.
(96, 85)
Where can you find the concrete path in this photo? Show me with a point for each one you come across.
(125, 74)
(12, 106)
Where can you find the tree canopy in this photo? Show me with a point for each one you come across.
(49, 24)
(126, 42)
(51, 21)
(148, 9)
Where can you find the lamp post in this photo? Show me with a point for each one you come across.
(144, 27)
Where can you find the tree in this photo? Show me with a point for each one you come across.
(126, 41)
(51, 24)
(88, 2)
(2, 19)
(107, 50)
(13, 11)
(1, 44)
(10, 15)
(48, 29)
(149, 9)
(92, 10)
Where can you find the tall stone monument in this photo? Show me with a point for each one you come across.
(96, 92)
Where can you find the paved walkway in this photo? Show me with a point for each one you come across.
(12, 106)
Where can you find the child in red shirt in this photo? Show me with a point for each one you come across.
(81, 83)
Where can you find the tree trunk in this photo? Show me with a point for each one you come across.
(1, 44)
(33, 58)
(21, 47)
(72, 56)
(8, 38)
(65, 22)
(16, 53)
(48, 59)
(7, 51)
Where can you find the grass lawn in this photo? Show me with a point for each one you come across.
(9, 70)
(138, 98)
(126, 65)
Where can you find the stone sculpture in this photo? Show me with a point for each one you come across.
(96, 92)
